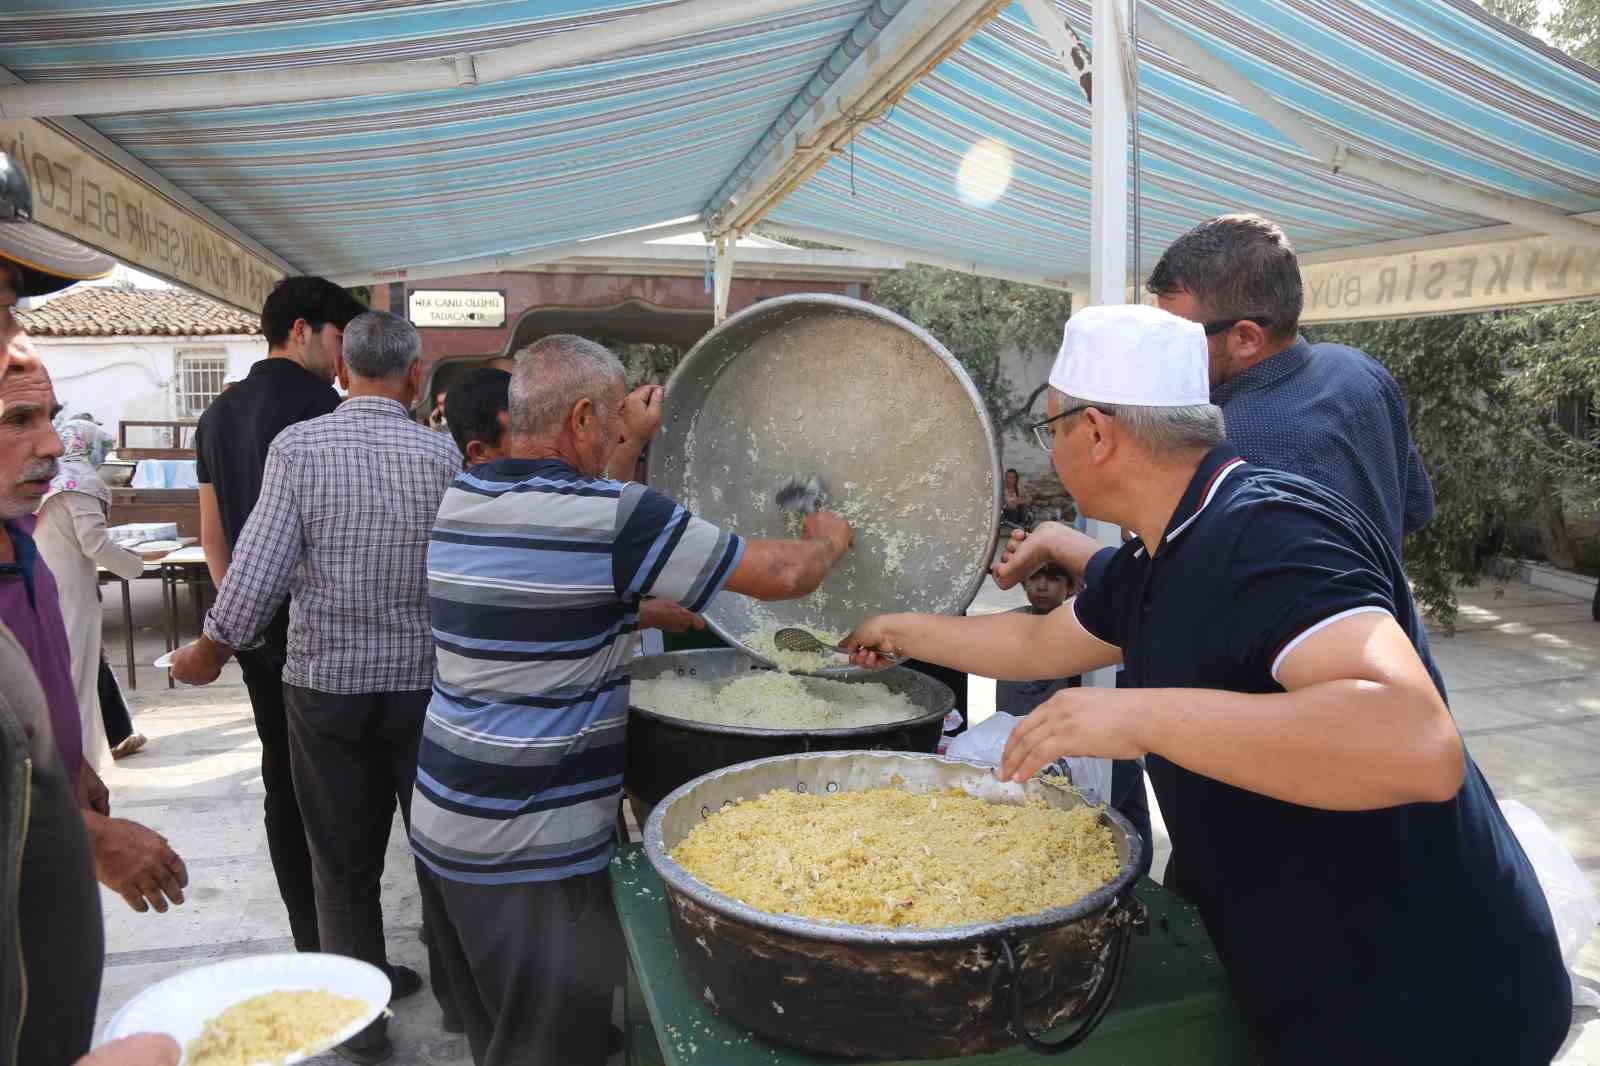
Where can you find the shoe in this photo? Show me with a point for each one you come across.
(616, 1044)
(365, 1055)
(129, 745)
(403, 982)
(452, 1023)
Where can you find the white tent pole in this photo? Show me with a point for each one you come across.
(1430, 187)
(1108, 226)
(115, 96)
(1108, 218)
(868, 246)
(488, 264)
(726, 242)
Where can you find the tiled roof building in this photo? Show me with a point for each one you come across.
(91, 311)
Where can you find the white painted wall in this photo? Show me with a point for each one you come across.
(116, 378)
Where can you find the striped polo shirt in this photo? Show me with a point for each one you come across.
(535, 573)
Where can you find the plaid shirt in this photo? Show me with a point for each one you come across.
(347, 503)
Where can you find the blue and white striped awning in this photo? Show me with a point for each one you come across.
(661, 131)
(1437, 86)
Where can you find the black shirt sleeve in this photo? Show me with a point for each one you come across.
(202, 472)
(1100, 606)
(1294, 569)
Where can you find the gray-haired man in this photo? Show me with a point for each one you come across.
(341, 526)
(542, 568)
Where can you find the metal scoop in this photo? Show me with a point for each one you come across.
(800, 640)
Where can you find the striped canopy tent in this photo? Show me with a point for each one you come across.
(370, 140)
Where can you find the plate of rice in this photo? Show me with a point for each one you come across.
(260, 1010)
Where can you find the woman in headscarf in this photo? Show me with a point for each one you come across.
(73, 541)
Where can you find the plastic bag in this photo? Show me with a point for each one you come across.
(985, 743)
(1572, 899)
(952, 728)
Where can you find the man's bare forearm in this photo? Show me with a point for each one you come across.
(1008, 647)
(1338, 745)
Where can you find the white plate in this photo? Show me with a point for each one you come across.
(181, 1005)
(165, 661)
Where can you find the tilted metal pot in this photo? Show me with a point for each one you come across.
(813, 385)
(665, 751)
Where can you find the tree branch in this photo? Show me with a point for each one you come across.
(1027, 405)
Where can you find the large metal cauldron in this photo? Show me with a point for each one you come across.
(664, 752)
(827, 386)
(880, 992)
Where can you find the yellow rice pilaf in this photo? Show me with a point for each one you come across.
(270, 1027)
(891, 857)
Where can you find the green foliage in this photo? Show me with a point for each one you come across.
(1482, 391)
(979, 319)
(1520, 13)
(1523, 14)
(1575, 29)
(646, 363)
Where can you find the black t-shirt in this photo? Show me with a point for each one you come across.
(1416, 933)
(237, 429)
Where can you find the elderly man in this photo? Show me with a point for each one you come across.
(539, 569)
(347, 501)
(48, 903)
(1345, 853)
(303, 319)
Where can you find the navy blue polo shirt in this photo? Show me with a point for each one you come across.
(1410, 934)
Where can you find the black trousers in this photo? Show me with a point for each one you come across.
(532, 965)
(354, 759)
(114, 716)
(286, 831)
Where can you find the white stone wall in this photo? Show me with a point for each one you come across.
(116, 378)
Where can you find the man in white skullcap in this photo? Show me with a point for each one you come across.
(1351, 865)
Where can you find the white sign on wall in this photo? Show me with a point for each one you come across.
(458, 309)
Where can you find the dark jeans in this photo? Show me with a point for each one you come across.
(114, 714)
(354, 759)
(533, 966)
(286, 831)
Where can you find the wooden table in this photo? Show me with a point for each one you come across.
(1174, 1005)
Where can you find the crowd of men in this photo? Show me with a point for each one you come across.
(445, 629)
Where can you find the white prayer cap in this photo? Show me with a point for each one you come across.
(1133, 354)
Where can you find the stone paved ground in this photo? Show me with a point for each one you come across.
(1523, 673)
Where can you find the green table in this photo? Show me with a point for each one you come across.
(1174, 1004)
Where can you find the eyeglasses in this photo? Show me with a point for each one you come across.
(1225, 324)
(1044, 433)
